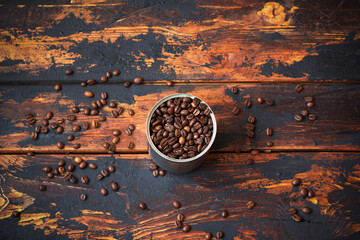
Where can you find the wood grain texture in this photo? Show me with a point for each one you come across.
(245, 41)
(223, 182)
(331, 131)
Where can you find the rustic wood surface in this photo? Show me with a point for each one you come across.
(265, 48)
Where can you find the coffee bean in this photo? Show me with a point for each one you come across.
(86, 125)
(47, 169)
(49, 115)
(247, 103)
(251, 119)
(31, 121)
(234, 90)
(76, 128)
(29, 115)
(50, 175)
(83, 197)
(104, 95)
(30, 154)
(131, 112)
(304, 192)
(180, 217)
(44, 129)
(162, 172)
(112, 104)
(73, 179)
(88, 94)
(76, 146)
(254, 152)
(116, 73)
(169, 83)
(84, 179)
(186, 228)
(108, 74)
(176, 204)
(260, 100)
(115, 140)
(42, 187)
(92, 166)
(142, 205)
(83, 83)
(61, 170)
(67, 175)
(69, 71)
(306, 210)
(45, 122)
(155, 173)
(296, 182)
(121, 110)
(138, 80)
(309, 99)
(104, 191)
(87, 111)
(208, 236)
(60, 120)
(250, 204)
(127, 84)
(131, 145)
(249, 126)
(71, 118)
(304, 113)
(178, 224)
(114, 186)
(104, 79)
(235, 111)
(292, 211)
(102, 119)
(310, 104)
(91, 81)
(99, 103)
(106, 145)
(57, 87)
(153, 166)
(298, 117)
(100, 176)
(83, 164)
(94, 105)
(56, 171)
(311, 194)
(114, 113)
(312, 117)
(224, 214)
(71, 167)
(60, 145)
(270, 102)
(296, 218)
(37, 129)
(249, 162)
(105, 172)
(78, 160)
(16, 214)
(59, 129)
(269, 131)
(269, 143)
(75, 109)
(94, 112)
(298, 88)
(95, 123)
(249, 133)
(219, 235)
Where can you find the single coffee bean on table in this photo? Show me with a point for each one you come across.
(71, 167)
(111, 168)
(312, 117)
(169, 83)
(116, 72)
(249, 162)
(104, 191)
(138, 80)
(296, 218)
(304, 192)
(60, 145)
(127, 84)
(153, 166)
(112, 104)
(78, 160)
(250, 204)
(270, 102)
(114, 186)
(176, 204)
(219, 234)
(83, 83)
(104, 79)
(247, 103)
(57, 87)
(75, 109)
(309, 99)
(92, 166)
(306, 210)
(269, 131)
(310, 104)
(292, 211)
(260, 100)
(86, 125)
(83, 165)
(131, 145)
(88, 94)
(108, 74)
(84, 179)
(69, 71)
(50, 175)
(234, 90)
(208, 236)
(62, 170)
(47, 169)
(178, 224)
(105, 172)
(296, 182)
(298, 88)
(162, 172)
(224, 214)
(235, 110)
(186, 228)
(311, 194)
(42, 188)
(298, 117)
(155, 173)
(76, 146)
(83, 197)
(131, 112)
(100, 177)
(142, 205)
(254, 152)
(91, 81)
(16, 214)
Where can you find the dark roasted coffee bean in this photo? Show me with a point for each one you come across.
(70, 138)
(83, 83)
(131, 112)
(292, 211)
(249, 133)
(250, 204)
(249, 126)
(224, 214)
(47, 169)
(59, 129)
(156, 173)
(29, 115)
(116, 132)
(306, 210)
(304, 113)
(92, 166)
(249, 162)
(104, 95)
(67, 175)
(270, 102)
(94, 112)
(138, 80)
(178, 224)
(142, 205)
(86, 125)
(312, 117)
(88, 94)
(254, 152)
(169, 83)
(76, 128)
(114, 113)
(50, 175)
(56, 171)
(128, 131)
(57, 87)
(269, 143)
(176, 204)
(116, 73)
(111, 168)
(104, 79)
(114, 186)
(251, 119)
(37, 129)
(83, 164)
(208, 236)
(127, 84)
(49, 115)
(61, 163)
(310, 104)
(104, 191)
(73, 179)
(42, 187)
(44, 129)
(260, 100)
(235, 111)
(105, 172)
(102, 119)
(60, 145)
(269, 131)
(87, 111)
(311, 194)
(153, 166)
(75, 109)
(71, 118)
(247, 103)
(106, 145)
(108, 74)
(31, 154)
(180, 217)
(91, 81)
(69, 71)
(99, 103)
(309, 99)
(131, 145)
(76, 146)
(61, 170)
(16, 214)
(60, 120)
(45, 122)
(71, 167)
(115, 140)
(94, 105)
(296, 182)
(304, 192)
(112, 104)
(100, 176)
(84, 179)
(186, 228)
(220, 235)
(95, 123)
(234, 90)
(298, 88)
(83, 197)
(296, 218)
(298, 117)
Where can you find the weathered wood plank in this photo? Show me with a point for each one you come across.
(243, 41)
(336, 107)
(223, 182)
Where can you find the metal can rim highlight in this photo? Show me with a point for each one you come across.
(151, 143)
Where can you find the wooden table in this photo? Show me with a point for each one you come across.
(265, 49)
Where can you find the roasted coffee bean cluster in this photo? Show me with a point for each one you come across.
(181, 127)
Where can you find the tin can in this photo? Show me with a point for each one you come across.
(171, 164)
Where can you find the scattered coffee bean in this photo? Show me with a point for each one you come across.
(50, 175)
(249, 162)
(60, 120)
(116, 73)
(84, 179)
(100, 176)
(296, 218)
(311, 194)
(16, 214)
(296, 182)
(249, 126)
(115, 140)
(250, 134)
(116, 132)
(102, 119)
(292, 211)
(304, 113)
(178, 224)
(73, 179)
(37, 129)
(42, 187)
(104, 191)
(219, 235)
(176, 204)
(306, 210)
(95, 123)
(86, 125)
(155, 173)
(69, 71)
(76, 128)
(114, 186)
(255, 152)
(56, 171)
(91, 81)
(30, 154)
(83, 164)
(71, 118)
(224, 214)
(267, 151)
(54, 125)
(260, 100)
(250, 204)
(49, 115)
(92, 166)
(87, 111)
(114, 113)
(309, 99)
(108, 74)
(78, 160)
(104, 95)
(83, 83)
(304, 192)
(89, 94)
(270, 102)
(153, 166)
(162, 172)
(47, 169)
(59, 129)
(138, 80)
(76, 146)
(131, 112)
(71, 167)
(312, 117)
(298, 117)
(269, 143)
(45, 122)
(310, 104)
(105, 172)
(67, 175)
(186, 228)
(112, 104)
(127, 84)
(104, 79)
(94, 112)
(208, 236)
(234, 90)
(235, 111)
(44, 129)
(298, 88)
(60, 145)
(57, 87)
(111, 168)
(180, 217)
(247, 103)
(83, 197)
(61, 170)
(131, 145)
(269, 131)
(128, 131)
(251, 119)
(169, 83)
(142, 205)
(75, 109)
